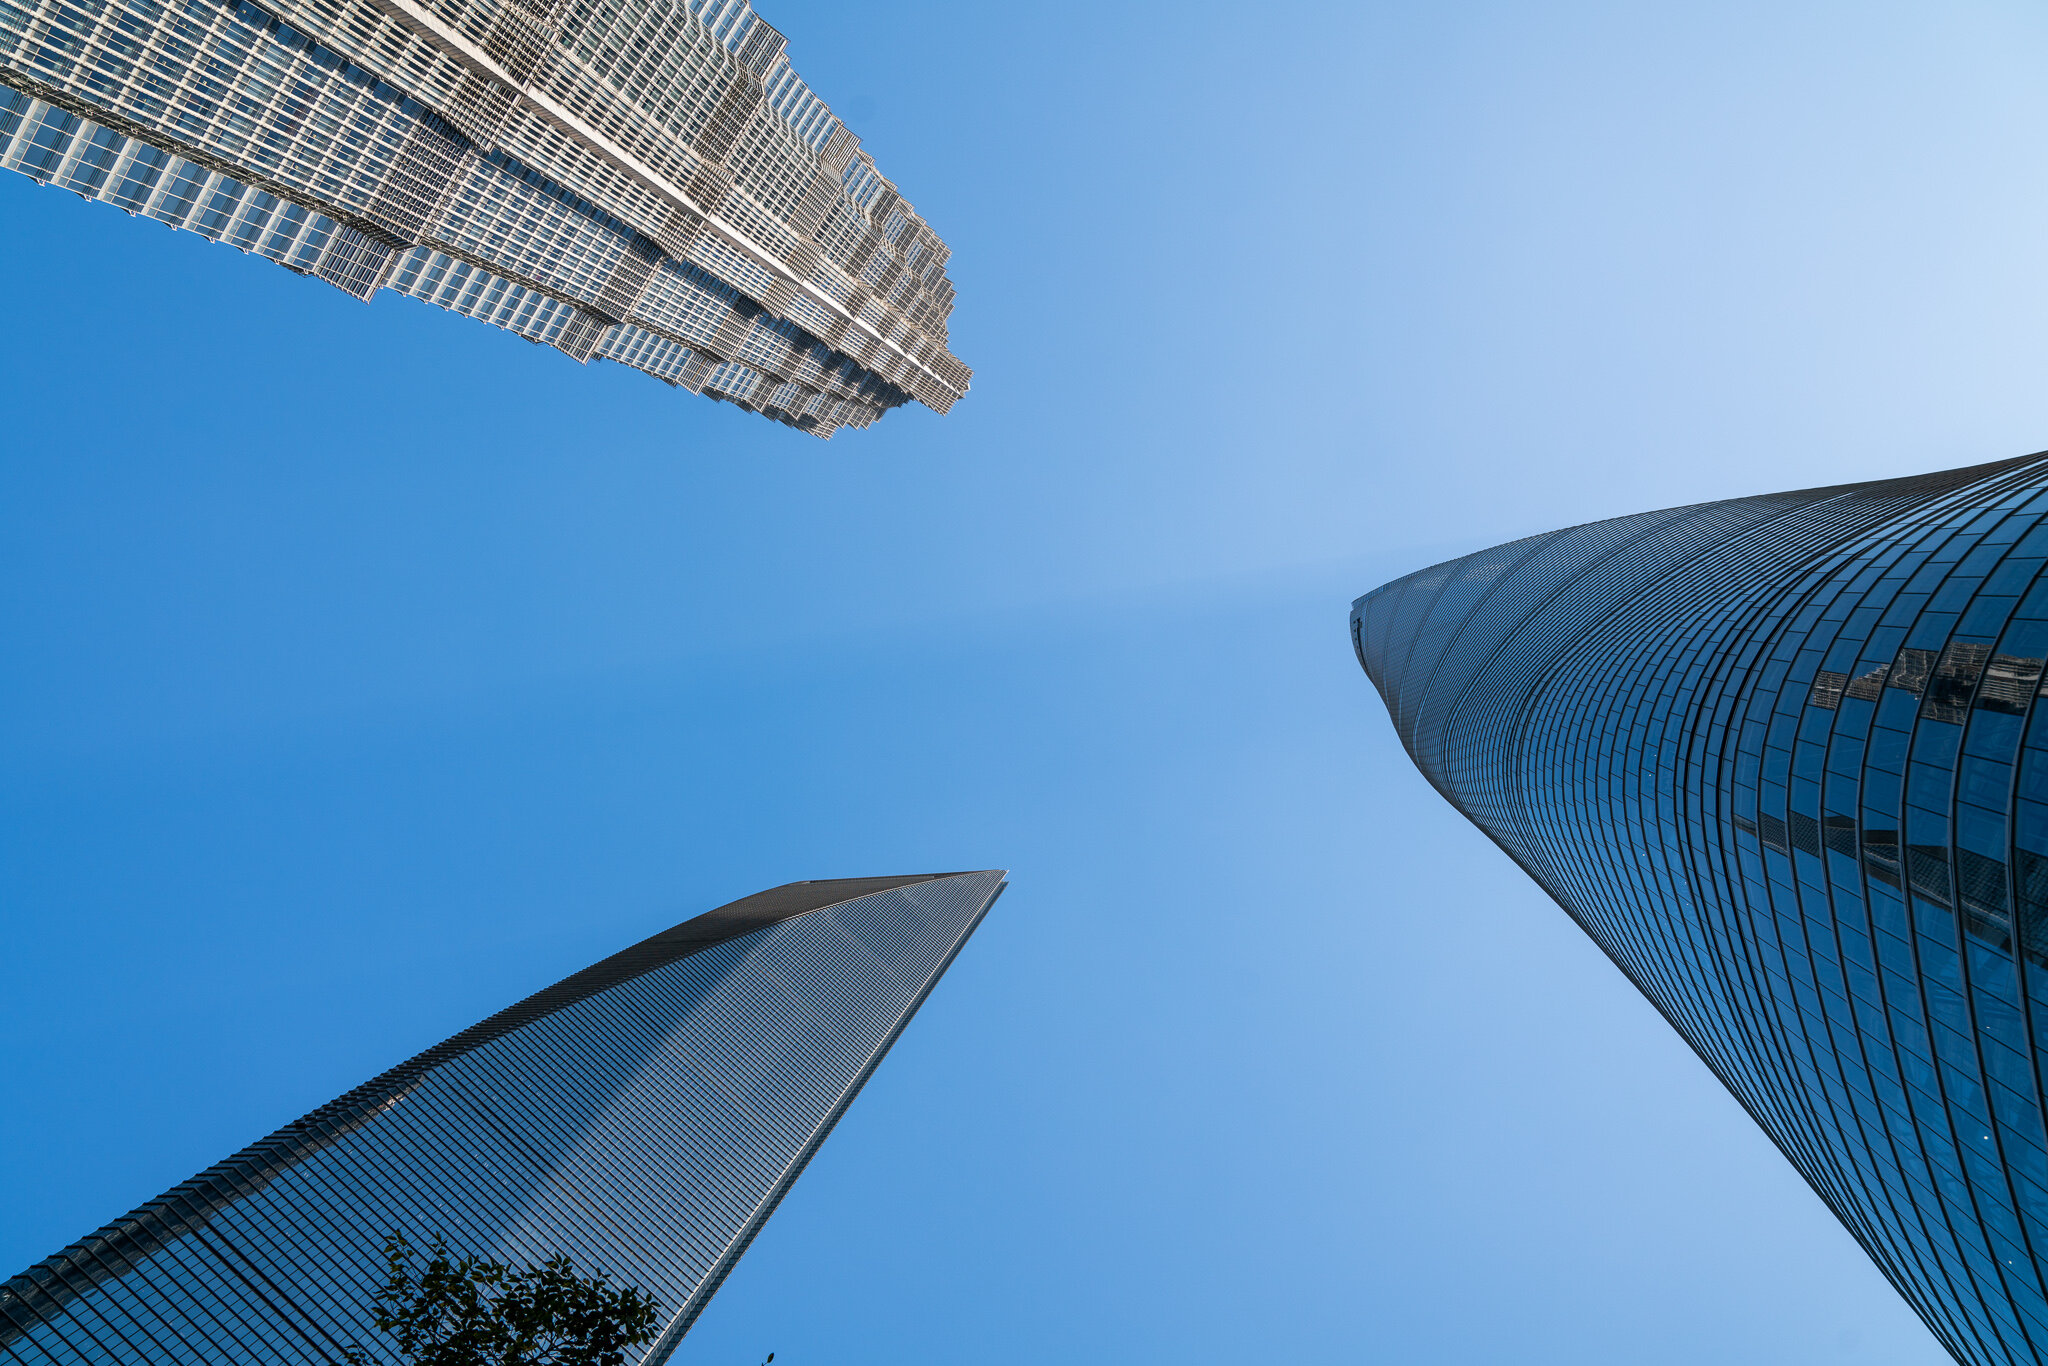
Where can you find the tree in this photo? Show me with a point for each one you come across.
(464, 1311)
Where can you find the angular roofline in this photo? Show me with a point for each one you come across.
(707, 931)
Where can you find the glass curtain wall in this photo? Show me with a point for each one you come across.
(1782, 758)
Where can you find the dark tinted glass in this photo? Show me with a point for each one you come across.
(643, 1117)
(1781, 758)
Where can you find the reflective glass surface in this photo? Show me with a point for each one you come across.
(1782, 758)
(643, 1116)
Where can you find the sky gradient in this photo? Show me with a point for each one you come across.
(368, 668)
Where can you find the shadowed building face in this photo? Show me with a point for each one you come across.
(643, 1116)
(1782, 758)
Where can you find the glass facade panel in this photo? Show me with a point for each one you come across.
(1781, 758)
(643, 1116)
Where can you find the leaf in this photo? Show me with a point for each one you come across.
(467, 1311)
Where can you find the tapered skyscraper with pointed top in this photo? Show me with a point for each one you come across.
(646, 181)
(643, 1116)
(1785, 759)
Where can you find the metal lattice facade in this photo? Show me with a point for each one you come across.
(647, 181)
(1783, 759)
(643, 1116)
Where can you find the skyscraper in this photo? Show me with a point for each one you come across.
(643, 1116)
(647, 181)
(1782, 758)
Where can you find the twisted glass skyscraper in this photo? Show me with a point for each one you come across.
(1783, 759)
(647, 181)
(643, 1116)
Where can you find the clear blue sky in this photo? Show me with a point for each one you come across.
(367, 668)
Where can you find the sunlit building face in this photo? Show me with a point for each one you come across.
(644, 182)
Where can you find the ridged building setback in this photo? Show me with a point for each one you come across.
(646, 181)
(643, 1116)
(1785, 759)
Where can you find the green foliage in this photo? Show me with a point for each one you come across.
(464, 1311)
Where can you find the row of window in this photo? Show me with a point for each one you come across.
(254, 90)
(1775, 756)
(643, 1129)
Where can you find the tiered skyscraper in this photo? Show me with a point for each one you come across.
(1783, 758)
(646, 181)
(643, 1116)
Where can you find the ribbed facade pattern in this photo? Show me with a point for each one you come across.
(647, 181)
(643, 1116)
(1783, 759)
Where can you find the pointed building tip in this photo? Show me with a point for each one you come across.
(902, 879)
(817, 893)
(793, 899)
(715, 927)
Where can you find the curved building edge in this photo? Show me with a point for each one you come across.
(1782, 759)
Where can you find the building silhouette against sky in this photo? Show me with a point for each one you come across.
(1782, 758)
(647, 181)
(643, 1116)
